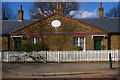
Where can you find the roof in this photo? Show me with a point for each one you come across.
(12, 25)
(106, 24)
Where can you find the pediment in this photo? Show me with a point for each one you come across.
(63, 23)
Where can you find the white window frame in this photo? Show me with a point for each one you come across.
(35, 40)
(78, 42)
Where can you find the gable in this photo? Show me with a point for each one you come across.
(67, 25)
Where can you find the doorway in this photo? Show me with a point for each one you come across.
(97, 44)
(18, 44)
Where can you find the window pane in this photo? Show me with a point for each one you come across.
(37, 40)
(75, 38)
(79, 41)
(75, 43)
(34, 40)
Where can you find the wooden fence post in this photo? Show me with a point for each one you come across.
(46, 57)
(0, 56)
(58, 57)
(110, 61)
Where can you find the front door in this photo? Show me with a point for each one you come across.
(18, 44)
(97, 44)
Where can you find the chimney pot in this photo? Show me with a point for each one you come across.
(57, 6)
(59, 9)
(20, 7)
(101, 5)
(61, 6)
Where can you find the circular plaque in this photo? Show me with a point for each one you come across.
(56, 23)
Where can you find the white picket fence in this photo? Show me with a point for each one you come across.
(60, 56)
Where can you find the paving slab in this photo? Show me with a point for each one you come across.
(50, 69)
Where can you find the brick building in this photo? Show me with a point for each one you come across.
(61, 33)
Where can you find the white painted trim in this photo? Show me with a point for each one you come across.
(16, 37)
(78, 41)
(34, 40)
(98, 35)
(84, 44)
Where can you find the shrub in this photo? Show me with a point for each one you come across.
(103, 47)
(78, 48)
(34, 47)
(40, 47)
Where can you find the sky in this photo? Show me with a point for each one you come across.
(87, 9)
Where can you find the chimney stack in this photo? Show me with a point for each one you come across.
(101, 11)
(20, 13)
(59, 8)
(100, 5)
(20, 7)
